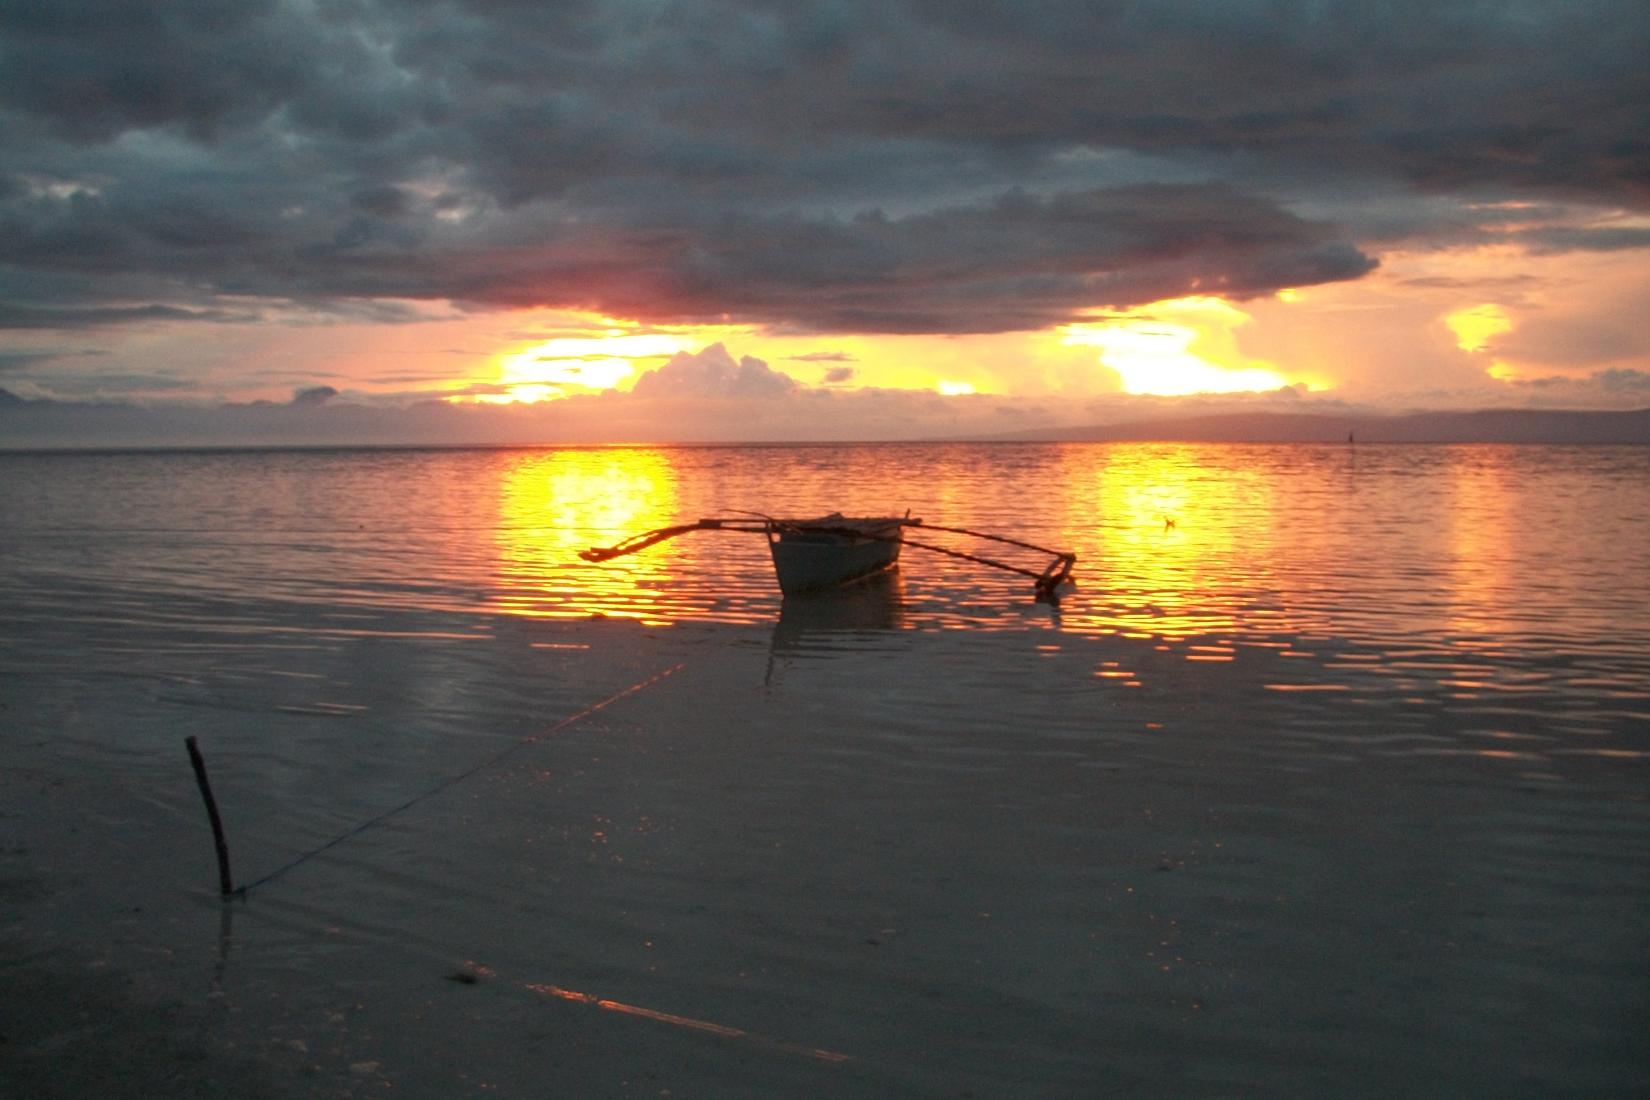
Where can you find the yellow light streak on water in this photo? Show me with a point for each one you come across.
(1168, 532)
(554, 504)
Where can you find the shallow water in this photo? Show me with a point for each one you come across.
(1328, 776)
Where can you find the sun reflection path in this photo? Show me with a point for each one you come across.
(554, 504)
(1165, 533)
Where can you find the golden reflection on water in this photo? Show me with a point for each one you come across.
(1166, 535)
(1158, 529)
(554, 504)
(1480, 535)
(1198, 547)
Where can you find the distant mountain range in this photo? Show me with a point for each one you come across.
(65, 424)
(1483, 426)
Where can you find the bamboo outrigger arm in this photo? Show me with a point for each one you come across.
(649, 538)
(1056, 573)
(754, 523)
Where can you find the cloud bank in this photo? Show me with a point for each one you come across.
(821, 166)
(708, 397)
(842, 166)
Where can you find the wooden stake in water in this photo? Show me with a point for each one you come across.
(225, 883)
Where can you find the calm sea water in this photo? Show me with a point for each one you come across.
(1329, 774)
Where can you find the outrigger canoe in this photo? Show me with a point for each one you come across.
(833, 550)
(813, 554)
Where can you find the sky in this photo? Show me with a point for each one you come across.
(644, 220)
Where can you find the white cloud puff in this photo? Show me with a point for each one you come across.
(713, 373)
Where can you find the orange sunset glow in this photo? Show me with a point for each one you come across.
(576, 364)
(645, 251)
(1179, 347)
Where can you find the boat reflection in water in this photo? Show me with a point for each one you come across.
(818, 620)
(865, 615)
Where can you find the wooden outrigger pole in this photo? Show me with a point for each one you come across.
(653, 538)
(1052, 576)
(1055, 573)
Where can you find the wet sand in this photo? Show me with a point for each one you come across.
(815, 859)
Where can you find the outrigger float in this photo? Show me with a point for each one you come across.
(812, 554)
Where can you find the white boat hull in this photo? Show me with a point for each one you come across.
(809, 555)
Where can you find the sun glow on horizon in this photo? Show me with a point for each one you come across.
(576, 364)
(1475, 330)
(1175, 347)
(1477, 327)
(1165, 349)
(565, 365)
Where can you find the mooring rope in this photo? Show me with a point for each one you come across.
(452, 781)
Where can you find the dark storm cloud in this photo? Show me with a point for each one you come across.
(924, 166)
(29, 317)
(822, 357)
(105, 383)
(1017, 262)
(310, 396)
(1628, 381)
(1584, 239)
(1549, 98)
(24, 359)
(94, 69)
